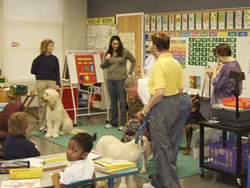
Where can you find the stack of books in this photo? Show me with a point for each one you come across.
(109, 165)
(55, 163)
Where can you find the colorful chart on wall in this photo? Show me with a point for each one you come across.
(195, 52)
(84, 67)
(178, 49)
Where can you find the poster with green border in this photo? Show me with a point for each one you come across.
(198, 21)
(165, 22)
(246, 19)
(222, 20)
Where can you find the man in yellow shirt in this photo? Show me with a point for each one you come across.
(165, 85)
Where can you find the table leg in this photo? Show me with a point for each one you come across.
(26, 108)
(32, 114)
(28, 105)
(238, 159)
(111, 183)
(224, 135)
(201, 145)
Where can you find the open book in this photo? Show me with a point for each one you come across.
(111, 165)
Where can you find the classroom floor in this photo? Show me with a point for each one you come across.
(211, 180)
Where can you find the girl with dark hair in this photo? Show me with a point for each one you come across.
(81, 167)
(115, 61)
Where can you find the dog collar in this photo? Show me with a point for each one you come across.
(141, 129)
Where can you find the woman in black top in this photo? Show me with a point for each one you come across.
(46, 69)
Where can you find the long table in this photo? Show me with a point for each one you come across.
(46, 181)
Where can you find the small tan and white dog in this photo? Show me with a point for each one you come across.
(58, 120)
(111, 146)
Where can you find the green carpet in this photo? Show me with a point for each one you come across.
(92, 129)
(186, 165)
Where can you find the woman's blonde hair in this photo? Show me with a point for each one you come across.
(44, 45)
(18, 124)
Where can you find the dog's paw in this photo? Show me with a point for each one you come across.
(61, 133)
(101, 184)
(143, 171)
(132, 184)
(48, 135)
(55, 135)
(123, 185)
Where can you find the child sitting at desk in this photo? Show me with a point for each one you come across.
(16, 145)
(81, 167)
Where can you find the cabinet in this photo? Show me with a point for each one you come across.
(238, 131)
(68, 101)
(4, 95)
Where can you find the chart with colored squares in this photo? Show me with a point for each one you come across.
(85, 67)
(201, 50)
(178, 50)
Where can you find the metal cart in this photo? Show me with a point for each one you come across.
(238, 131)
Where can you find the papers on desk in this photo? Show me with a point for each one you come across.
(35, 163)
(2, 105)
(94, 155)
(55, 163)
(20, 183)
(5, 166)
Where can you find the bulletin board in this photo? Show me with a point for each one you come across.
(99, 31)
(84, 67)
(194, 36)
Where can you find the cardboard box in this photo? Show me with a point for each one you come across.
(195, 152)
(96, 104)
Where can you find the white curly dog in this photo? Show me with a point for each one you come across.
(58, 120)
(111, 146)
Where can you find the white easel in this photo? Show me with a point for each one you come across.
(72, 78)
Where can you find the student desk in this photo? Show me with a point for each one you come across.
(26, 103)
(46, 181)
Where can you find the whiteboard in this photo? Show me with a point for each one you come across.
(241, 47)
(84, 66)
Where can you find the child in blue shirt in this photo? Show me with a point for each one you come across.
(81, 167)
(16, 145)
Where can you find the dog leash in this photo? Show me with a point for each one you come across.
(141, 129)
